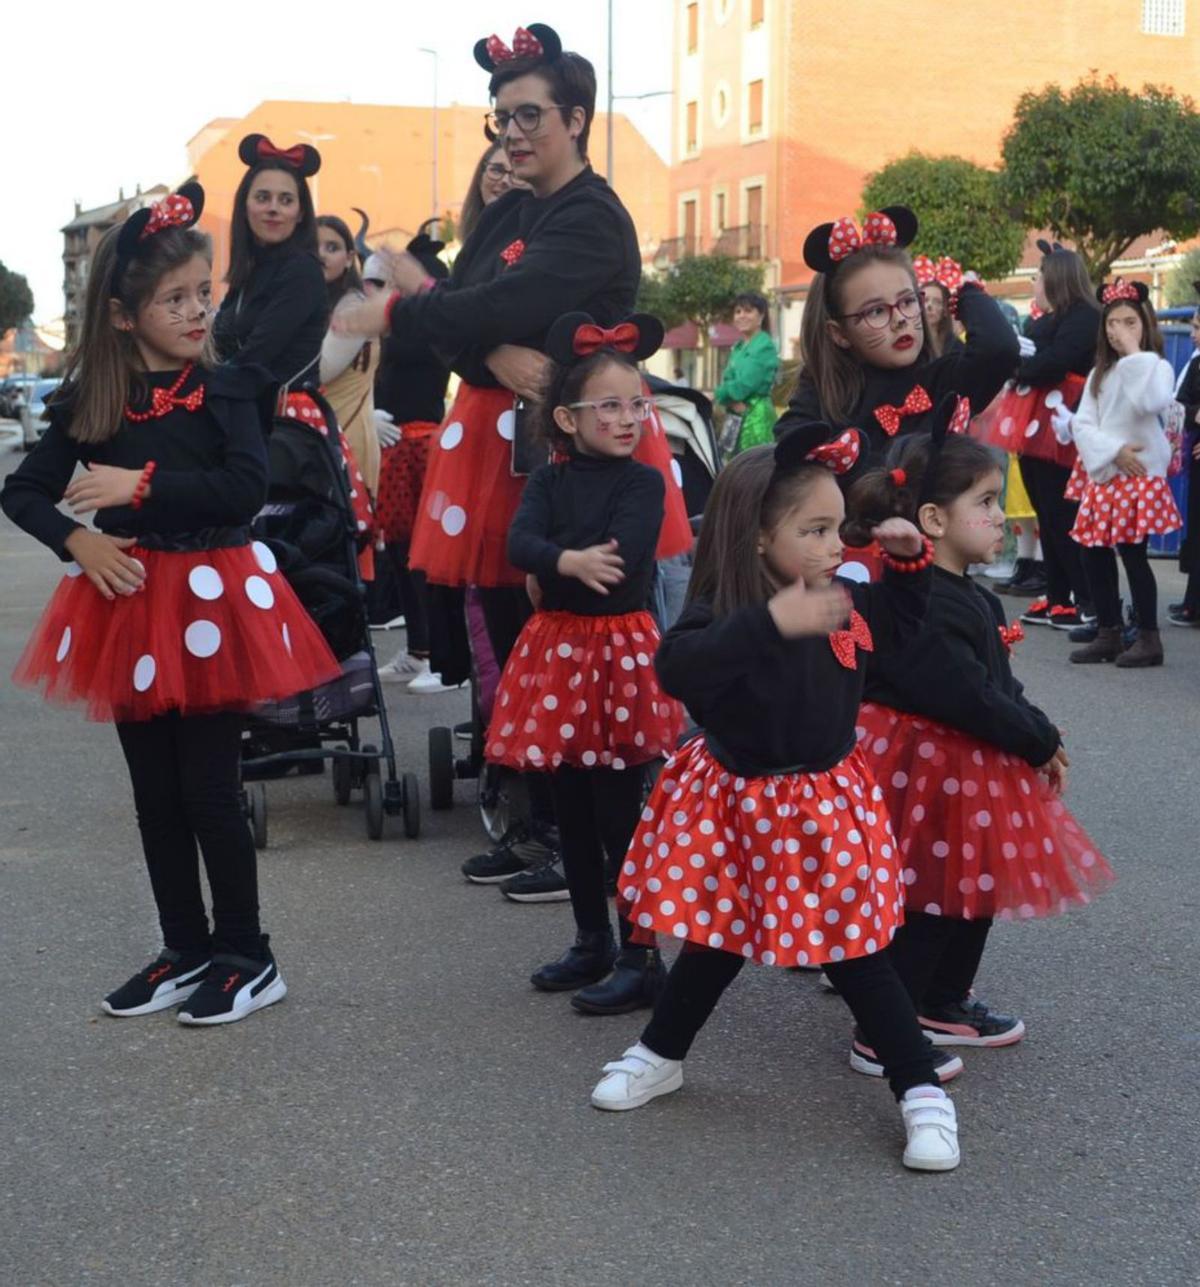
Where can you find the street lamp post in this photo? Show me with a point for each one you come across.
(314, 139)
(433, 53)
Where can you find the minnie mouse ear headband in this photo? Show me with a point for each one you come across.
(1049, 247)
(535, 43)
(301, 159)
(830, 243)
(181, 209)
(576, 336)
(814, 444)
(1120, 291)
(946, 272)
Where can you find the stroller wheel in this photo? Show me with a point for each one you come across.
(373, 794)
(257, 798)
(343, 780)
(441, 768)
(412, 805)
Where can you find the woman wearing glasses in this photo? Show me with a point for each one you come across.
(493, 177)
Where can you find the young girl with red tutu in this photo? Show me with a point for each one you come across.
(971, 771)
(765, 837)
(170, 621)
(579, 698)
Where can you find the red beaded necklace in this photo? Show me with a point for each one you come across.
(163, 401)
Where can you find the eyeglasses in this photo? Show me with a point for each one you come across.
(495, 170)
(528, 118)
(611, 411)
(879, 316)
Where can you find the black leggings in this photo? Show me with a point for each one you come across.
(1101, 564)
(1046, 482)
(597, 811)
(869, 985)
(937, 957)
(414, 600)
(186, 789)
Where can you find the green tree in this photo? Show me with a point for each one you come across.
(1179, 289)
(16, 299)
(959, 206)
(1101, 165)
(698, 288)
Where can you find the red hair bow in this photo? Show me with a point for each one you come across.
(841, 454)
(590, 338)
(525, 45)
(844, 642)
(961, 417)
(1120, 289)
(889, 417)
(290, 156)
(174, 211)
(1012, 635)
(946, 272)
(845, 238)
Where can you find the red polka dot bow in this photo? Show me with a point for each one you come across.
(889, 417)
(175, 211)
(590, 338)
(1012, 635)
(946, 272)
(846, 642)
(525, 45)
(1120, 289)
(961, 418)
(841, 454)
(845, 238)
(513, 251)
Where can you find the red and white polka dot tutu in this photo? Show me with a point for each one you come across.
(1077, 483)
(981, 833)
(1124, 511)
(790, 869)
(402, 468)
(1018, 419)
(212, 630)
(582, 691)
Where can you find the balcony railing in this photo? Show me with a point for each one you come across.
(748, 241)
(674, 249)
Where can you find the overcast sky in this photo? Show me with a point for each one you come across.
(84, 120)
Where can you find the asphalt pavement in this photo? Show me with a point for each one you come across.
(415, 1113)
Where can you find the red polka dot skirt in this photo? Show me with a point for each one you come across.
(1018, 419)
(1077, 483)
(582, 691)
(1124, 511)
(212, 630)
(791, 869)
(981, 833)
(402, 469)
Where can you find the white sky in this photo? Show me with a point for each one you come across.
(104, 95)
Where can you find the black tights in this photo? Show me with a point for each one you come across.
(1046, 482)
(185, 775)
(937, 957)
(869, 985)
(1101, 565)
(597, 811)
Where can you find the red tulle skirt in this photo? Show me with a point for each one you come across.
(402, 469)
(582, 691)
(211, 630)
(791, 869)
(1077, 483)
(1125, 511)
(981, 833)
(1018, 419)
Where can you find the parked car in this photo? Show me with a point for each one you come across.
(32, 410)
(12, 393)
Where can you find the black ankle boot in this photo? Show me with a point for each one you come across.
(637, 979)
(587, 962)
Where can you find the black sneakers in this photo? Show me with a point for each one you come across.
(588, 960)
(636, 982)
(235, 987)
(1029, 577)
(522, 845)
(544, 883)
(864, 1060)
(169, 979)
(969, 1023)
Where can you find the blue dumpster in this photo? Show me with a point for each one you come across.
(1176, 327)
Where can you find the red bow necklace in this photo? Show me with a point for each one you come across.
(844, 642)
(889, 417)
(163, 400)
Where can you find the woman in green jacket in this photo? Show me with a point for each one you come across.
(745, 389)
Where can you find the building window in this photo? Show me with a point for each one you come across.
(754, 110)
(693, 27)
(692, 134)
(721, 105)
(1164, 17)
(691, 228)
(720, 211)
(754, 222)
(757, 15)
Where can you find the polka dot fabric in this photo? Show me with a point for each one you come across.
(1124, 511)
(212, 630)
(1077, 483)
(791, 869)
(299, 406)
(1018, 420)
(582, 691)
(981, 833)
(402, 471)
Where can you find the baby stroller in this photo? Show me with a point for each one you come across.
(309, 525)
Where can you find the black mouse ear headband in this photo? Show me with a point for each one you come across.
(1049, 247)
(301, 159)
(1120, 291)
(576, 336)
(535, 42)
(181, 209)
(830, 243)
(814, 444)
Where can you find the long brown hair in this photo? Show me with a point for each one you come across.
(243, 249)
(472, 206)
(1065, 281)
(941, 336)
(350, 279)
(837, 373)
(751, 496)
(105, 368)
(1106, 356)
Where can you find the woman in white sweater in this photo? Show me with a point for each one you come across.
(1118, 431)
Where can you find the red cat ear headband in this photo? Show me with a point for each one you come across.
(811, 444)
(181, 209)
(830, 243)
(535, 42)
(1120, 291)
(576, 336)
(301, 159)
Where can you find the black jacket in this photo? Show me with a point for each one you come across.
(1064, 344)
(410, 381)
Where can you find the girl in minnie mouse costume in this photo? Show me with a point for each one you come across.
(971, 771)
(169, 621)
(939, 284)
(765, 837)
(579, 697)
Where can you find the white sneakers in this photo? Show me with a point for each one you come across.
(403, 667)
(931, 1126)
(636, 1078)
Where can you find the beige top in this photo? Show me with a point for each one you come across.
(348, 377)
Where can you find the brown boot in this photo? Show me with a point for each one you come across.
(1146, 650)
(1106, 646)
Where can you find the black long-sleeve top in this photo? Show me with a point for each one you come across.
(1065, 343)
(1189, 393)
(210, 465)
(581, 253)
(772, 705)
(585, 501)
(410, 381)
(976, 371)
(956, 670)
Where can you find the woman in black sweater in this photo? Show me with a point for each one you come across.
(1187, 613)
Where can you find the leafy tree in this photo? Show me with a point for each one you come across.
(16, 299)
(1101, 165)
(1179, 289)
(959, 206)
(698, 288)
